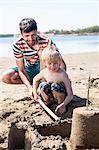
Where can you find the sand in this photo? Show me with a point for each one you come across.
(14, 99)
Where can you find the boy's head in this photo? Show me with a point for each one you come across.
(27, 25)
(51, 54)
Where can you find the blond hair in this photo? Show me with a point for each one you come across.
(51, 54)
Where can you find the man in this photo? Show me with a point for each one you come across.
(27, 51)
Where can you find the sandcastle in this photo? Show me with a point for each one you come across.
(85, 128)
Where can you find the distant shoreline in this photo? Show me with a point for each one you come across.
(92, 30)
(51, 34)
(80, 34)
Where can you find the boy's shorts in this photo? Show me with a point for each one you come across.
(49, 88)
(31, 70)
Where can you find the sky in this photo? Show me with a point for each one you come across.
(49, 14)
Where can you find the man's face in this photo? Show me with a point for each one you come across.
(30, 37)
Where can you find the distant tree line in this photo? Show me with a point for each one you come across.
(88, 30)
(6, 35)
(93, 29)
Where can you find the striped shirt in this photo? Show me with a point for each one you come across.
(23, 51)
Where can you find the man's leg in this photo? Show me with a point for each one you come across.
(11, 77)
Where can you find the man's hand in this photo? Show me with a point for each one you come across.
(36, 97)
(60, 108)
(33, 96)
(31, 93)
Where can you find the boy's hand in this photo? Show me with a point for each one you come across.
(60, 108)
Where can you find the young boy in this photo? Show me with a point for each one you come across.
(56, 84)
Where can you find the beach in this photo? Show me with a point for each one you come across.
(13, 97)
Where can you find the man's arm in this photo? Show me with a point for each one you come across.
(23, 75)
(36, 80)
(63, 65)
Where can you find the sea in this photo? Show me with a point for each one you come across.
(67, 44)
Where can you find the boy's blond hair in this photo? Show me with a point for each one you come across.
(51, 54)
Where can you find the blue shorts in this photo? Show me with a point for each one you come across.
(54, 92)
(31, 70)
(49, 87)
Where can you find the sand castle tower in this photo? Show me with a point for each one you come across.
(85, 127)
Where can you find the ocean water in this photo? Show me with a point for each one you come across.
(66, 44)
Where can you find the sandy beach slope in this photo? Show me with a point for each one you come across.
(79, 66)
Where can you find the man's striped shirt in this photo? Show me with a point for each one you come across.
(23, 51)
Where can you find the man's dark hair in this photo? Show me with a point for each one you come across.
(27, 25)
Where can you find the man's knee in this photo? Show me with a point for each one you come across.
(6, 76)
